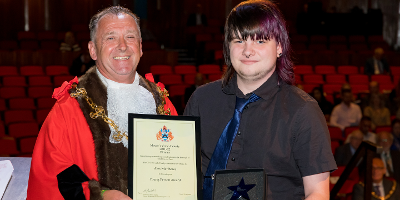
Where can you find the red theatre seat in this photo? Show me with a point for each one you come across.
(209, 69)
(29, 44)
(325, 69)
(313, 78)
(334, 145)
(185, 69)
(8, 45)
(214, 77)
(382, 79)
(160, 69)
(46, 35)
(335, 78)
(358, 79)
(189, 79)
(335, 133)
(14, 81)
(27, 144)
(40, 81)
(26, 35)
(21, 104)
(40, 91)
(3, 106)
(359, 88)
(348, 69)
(8, 146)
(31, 71)
(13, 116)
(170, 79)
(41, 115)
(49, 45)
(12, 92)
(303, 69)
(332, 88)
(23, 129)
(309, 87)
(59, 80)
(45, 102)
(8, 71)
(177, 90)
(383, 128)
(349, 130)
(395, 70)
(54, 70)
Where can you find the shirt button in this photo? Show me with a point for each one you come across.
(233, 159)
(239, 133)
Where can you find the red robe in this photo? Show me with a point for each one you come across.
(65, 139)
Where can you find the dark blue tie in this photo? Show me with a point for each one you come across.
(223, 148)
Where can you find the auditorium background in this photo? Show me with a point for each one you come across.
(44, 42)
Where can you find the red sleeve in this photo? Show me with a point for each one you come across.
(168, 104)
(64, 139)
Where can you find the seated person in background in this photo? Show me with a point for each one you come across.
(81, 64)
(337, 96)
(198, 18)
(377, 64)
(364, 127)
(396, 135)
(382, 187)
(379, 114)
(346, 113)
(373, 89)
(69, 43)
(344, 153)
(324, 104)
(390, 158)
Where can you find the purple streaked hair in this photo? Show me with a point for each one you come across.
(259, 19)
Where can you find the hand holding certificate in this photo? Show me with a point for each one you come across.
(164, 157)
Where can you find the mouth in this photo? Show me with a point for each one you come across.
(121, 58)
(248, 62)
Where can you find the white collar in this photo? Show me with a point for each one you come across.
(112, 84)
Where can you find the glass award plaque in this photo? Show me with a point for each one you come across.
(246, 184)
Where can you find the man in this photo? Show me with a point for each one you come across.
(281, 130)
(390, 158)
(344, 153)
(81, 151)
(364, 129)
(346, 113)
(396, 135)
(377, 64)
(382, 187)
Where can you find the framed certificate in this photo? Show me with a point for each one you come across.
(164, 157)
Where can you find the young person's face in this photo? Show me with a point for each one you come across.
(254, 60)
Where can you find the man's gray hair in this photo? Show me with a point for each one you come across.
(114, 10)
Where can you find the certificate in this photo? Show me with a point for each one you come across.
(164, 157)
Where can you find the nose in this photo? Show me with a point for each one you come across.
(248, 49)
(122, 44)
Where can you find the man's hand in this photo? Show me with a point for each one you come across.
(115, 195)
(316, 186)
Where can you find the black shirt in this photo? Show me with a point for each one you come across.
(284, 132)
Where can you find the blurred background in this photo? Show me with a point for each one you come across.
(335, 42)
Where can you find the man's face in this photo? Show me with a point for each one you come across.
(118, 47)
(396, 129)
(347, 97)
(365, 125)
(385, 141)
(356, 139)
(254, 60)
(378, 170)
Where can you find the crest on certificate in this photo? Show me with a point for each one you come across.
(165, 135)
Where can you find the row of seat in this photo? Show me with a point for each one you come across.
(22, 147)
(23, 81)
(353, 39)
(342, 78)
(51, 70)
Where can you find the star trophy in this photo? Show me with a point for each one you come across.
(246, 184)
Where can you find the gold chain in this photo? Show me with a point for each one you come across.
(100, 112)
(386, 196)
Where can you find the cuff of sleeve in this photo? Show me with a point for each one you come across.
(96, 190)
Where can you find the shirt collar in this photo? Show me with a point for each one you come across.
(268, 89)
(112, 84)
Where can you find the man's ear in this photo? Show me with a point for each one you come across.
(92, 50)
(278, 49)
(141, 52)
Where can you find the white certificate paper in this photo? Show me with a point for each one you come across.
(165, 161)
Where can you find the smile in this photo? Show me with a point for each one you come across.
(248, 62)
(121, 58)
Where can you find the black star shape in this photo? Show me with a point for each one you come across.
(241, 190)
